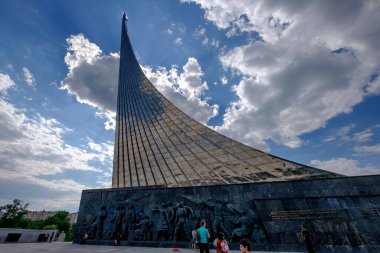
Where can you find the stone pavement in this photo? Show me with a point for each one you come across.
(64, 247)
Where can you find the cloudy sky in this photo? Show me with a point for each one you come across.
(298, 79)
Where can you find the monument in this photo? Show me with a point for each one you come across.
(170, 172)
(158, 144)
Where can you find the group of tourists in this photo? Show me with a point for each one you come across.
(201, 236)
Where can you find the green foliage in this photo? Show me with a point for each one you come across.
(14, 215)
(70, 233)
(50, 227)
(36, 224)
(23, 223)
(60, 219)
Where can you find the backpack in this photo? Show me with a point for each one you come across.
(225, 247)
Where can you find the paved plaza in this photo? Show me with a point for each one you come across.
(74, 248)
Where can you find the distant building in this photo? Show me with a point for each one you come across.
(73, 218)
(43, 215)
(39, 215)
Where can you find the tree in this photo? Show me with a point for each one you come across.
(14, 214)
(36, 224)
(60, 219)
(70, 233)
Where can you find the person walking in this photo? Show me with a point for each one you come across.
(244, 246)
(221, 244)
(306, 237)
(203, 236)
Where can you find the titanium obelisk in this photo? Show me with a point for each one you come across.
(158, 144)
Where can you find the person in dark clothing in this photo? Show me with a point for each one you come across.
(306, 236)
(51, 237)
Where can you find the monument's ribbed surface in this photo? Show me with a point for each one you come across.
(158, 144)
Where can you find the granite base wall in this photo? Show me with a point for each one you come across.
(342, 214)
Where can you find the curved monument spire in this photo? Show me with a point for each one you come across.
(158, 144)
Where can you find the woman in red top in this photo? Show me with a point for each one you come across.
(219, 242)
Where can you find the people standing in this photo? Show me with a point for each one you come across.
(46, 236)
(194, 237)
(244, 246)
(221, 244)
(306, 236)
(203, 236)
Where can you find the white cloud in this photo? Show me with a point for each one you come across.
(109, 119)
(92, 76)
(92, 79)
(363, 136)
(205, 41)
(374, 86)
(81, 50)
(169, 31)
(375, 149)
(345, 134)
(214, 43)
(28, 77)
(32, 149)
(200, 31)
(190, 79)
(342, 134)
(178, 41)
(5, 83)
(296, 79)
(42, 194)
(345, 166)
(10, 67)
(224, 80)
(296, 92)
(175, 29)
(185, 89)
(104, 151)
(39, 144)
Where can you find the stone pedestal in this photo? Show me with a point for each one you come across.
(343, 213)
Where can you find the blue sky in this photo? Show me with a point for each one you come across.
(298, 80)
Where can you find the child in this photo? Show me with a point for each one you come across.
(221, 244)
(194, 240)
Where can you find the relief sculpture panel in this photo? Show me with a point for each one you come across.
(268, 215)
